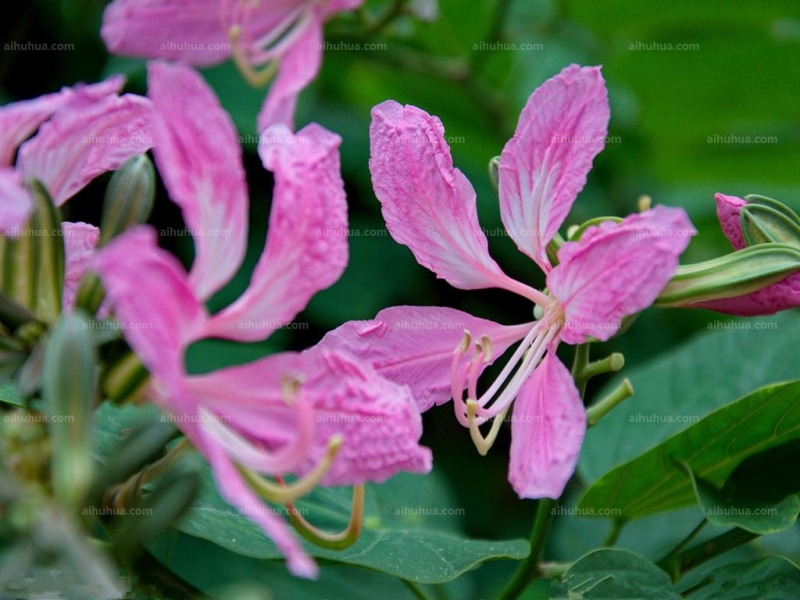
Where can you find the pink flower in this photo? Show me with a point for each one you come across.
(615, 270)
(283, 36)
(80, 133)
(767, 301)
(280, 414)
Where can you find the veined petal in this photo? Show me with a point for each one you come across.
(428, 205)
(617, 269)
(152, 300)
(414, 345)
(767, 301)
(80, 240)
(306, 249)
(235, 490)
(199, 157)
(18, 121)
(544, 166)
(84, 139)
(15, 202)
(728, 209)
(547, 429)
(377, 419)
(187, 30)
(298, 67)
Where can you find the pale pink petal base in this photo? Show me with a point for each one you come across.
(80, 240)
(728, 209)
(547, 428)
(15, 203)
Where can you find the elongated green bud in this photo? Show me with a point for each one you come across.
(69, 388)
(732, 275)
(763, 224)
(494, 173)
(124, 379)
(33, 263)
(129, 198)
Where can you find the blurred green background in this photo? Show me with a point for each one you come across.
(705, 97)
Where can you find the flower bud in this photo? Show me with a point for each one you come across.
(129, 198)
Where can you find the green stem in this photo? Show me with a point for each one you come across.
(601, 408)
(701, 553)
(530, 568)
(397, 9)
(613, 535)
(579, 363)
(610, 364)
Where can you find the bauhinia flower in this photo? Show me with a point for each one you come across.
(321, 414)
(613, 270)
(265, 38)
(779, 296)
(80, 133)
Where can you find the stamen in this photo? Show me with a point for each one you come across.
(255, 77)
(331, 541)
(483, 444)
(278, 494)
(515, 358)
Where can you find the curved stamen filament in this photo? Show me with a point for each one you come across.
(331, 541)
(284, 494)
(483, 444)
(513, 361)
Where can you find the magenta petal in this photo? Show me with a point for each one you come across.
(547, 429)
(188, 30)
(152, 300)
(15, 203)
(428, 205)
(306, 248)
(377, 419)
(544, 166)
(236, 491)
(200, 159)
(617, 270)
(767, 301)
(728, 209)
(80, 240)
(84, 139)
(414, 345)
(299, 66)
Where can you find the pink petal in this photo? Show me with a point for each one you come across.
(544, 166)
(306, 248)
(428, 205)
(378, 420)
(152, 300)
(85, 139)
(728, 208)
(547, 429)
(617, 270)
(18, 121)
(15, 203)
(200, 159)
(235, 490)
(413, 345)
(767, 301)
(187, 30)
(299, 66)
(80, 240)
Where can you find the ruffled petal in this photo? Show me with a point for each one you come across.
(187, 30)
(544, 166)
(306, 248)
(18, 121)
(428, 205)
(80, 240)
(152, 300)
(547, 429)
(617, 270)
(199, 157)
(414, 345)
(377, 419)
(84, 139)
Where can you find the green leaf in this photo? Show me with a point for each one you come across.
(772, 578)
(759, 496)
(681, 386)
(397, 538)
(617, 574)
(654, 482)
